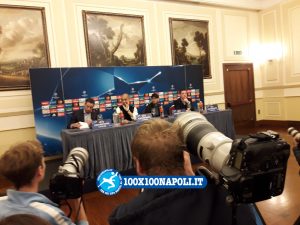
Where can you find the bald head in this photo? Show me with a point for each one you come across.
(125, 99)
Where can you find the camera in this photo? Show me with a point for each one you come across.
(67, 183)
(252, 168)
(295, 133)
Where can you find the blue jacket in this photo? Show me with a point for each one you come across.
(18, 202)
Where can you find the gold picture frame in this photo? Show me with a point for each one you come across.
(190, 43)
(23, 45)
(114, 39)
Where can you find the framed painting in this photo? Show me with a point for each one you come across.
(114, 39)
(190, 43)
(23, 45)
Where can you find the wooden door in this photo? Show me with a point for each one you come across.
(239, 93)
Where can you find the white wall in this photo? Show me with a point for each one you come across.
(230, 30)
(280, 91)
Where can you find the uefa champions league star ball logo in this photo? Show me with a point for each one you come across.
(55, 95)
(109, 182)
(84, 94)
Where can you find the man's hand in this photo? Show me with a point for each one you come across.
(126, 107)
(75, 126)
(89, 122)
(188, 104)
(128, 111)
(186, 101)
(77, 205)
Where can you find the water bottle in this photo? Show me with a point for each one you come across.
(121, 118)
(200, 107)
(161, 112)
(115, 118)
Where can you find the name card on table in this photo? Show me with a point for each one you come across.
(101, 124)
(212, 108)
(177, 112)
(143, 117)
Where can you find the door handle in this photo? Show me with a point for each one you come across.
(228, 105)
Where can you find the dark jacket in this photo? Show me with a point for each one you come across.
(78, 116)
(181, 206)
(125, 113)
(179, 105)
(297, 153)
(151, 106)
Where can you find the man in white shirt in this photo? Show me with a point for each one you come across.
(130, 112)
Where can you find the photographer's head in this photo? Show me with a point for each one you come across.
(23, 164)
(23, 219)
(158, 149)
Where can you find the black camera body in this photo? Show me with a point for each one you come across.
(256, 168)
(64, 187)
(67, 183)
(251, 169)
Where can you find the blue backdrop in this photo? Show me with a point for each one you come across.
(57, 92)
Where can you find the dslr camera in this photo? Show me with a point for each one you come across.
(67, 183)
(252, 168)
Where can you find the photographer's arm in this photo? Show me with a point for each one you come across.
(78, 209)
(297, 153)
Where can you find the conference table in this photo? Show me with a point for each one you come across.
(109, 147)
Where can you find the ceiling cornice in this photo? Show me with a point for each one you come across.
(244, 4)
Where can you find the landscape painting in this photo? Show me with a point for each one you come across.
(23, 45)
(114, 39)
(190, 43)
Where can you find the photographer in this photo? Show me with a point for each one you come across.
(296, 138)
(23, 164)
(158, 149)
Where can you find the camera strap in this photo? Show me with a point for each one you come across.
(77, 165)
(74, 163)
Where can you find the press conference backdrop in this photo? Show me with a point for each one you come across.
(57, 92)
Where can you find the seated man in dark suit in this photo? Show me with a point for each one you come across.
(86, 115)
(153, 107)
(158, 149)
(129, 111)
(183, 102)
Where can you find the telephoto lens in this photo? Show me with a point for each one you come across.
(75, 162)
(295, 133)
